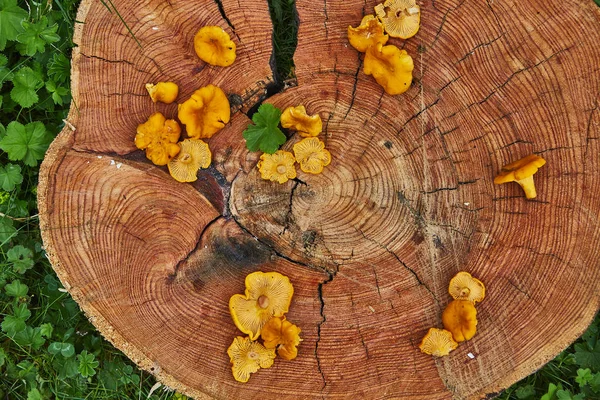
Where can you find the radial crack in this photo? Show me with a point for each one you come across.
(320, 324)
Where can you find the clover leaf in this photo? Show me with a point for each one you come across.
(265, 135)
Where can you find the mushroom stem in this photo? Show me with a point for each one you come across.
(528, 187)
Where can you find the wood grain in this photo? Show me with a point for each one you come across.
(371, 243)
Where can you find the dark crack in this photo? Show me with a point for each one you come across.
(319, 326)
(171, 277)
(289, 217)
(224, 15)
(360, 62)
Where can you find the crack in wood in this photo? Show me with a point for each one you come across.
(329, 279)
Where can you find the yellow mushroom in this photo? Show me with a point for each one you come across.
(268, 294)
(297, 119)
(158, 136)
(400, 18)
(391, 67)
(460, 318)
(205, 112)
(165, 92)
(368, 33)
(312, 155)
(277, 167)
(438, 342)
(248, 357)
(194, 155)
(522, 171)
(278, 333)
(464, 287)
(214, 46)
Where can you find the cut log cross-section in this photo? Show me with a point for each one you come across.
(371, 243)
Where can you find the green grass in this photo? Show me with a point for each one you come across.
(48, 349)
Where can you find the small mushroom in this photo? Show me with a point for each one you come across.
(158, 136)
(400, 18)
(277, 167)
(368, 33)
(248, 357)
(464, 287)
(165, 92)
(194, 155)
(214, 46)
(391, 67)
(205, 113)
(460, 318)
(268, 294)
(278, 333)
(522, 171)
(312, 155)
(438, 342)
(297, 119)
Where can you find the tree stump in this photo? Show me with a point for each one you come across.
(371, 243)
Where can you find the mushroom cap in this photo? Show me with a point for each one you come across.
(460, 318)
(277, 167)
(158, 136)
(400, 18)
(248, 357)
(205, 113)
(297, 119)
(520, 169)
(438, 342)
(268, 294)
(214, 46)
(312, 155)
(278, 333)
(368, 33)
(194, 154)
(391, 67)
(464, 287)
(165, 92)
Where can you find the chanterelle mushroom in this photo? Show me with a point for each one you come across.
(205, 113)
(391, 67)
(297, 119)
(460, 318)
(312, 155)
(522, 171)
(368, 33)
(278, 333)
(464, 287)
(158, 136)
(438, 342)
(268, 294)
(214, 46)
(248, 357)
(194, 155)
(400, 18)
(277, 167)
(165, 92)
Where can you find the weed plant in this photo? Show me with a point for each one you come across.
(48, 349)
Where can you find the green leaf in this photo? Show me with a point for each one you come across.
(552, 388)
(587, 357)
(11, 16)
(12, 325)
(30, 337)
(58, 92)
(26, 142)
(65, 349)
(16, 289)
(265, 135)
(34, 394)
(66, 367)
(59, 68)
(5, 72)
(87, 364)
(20, 257)
(584, 376)
(2, 356)
(46, 330)
(525, 392)
(10, 176)
(26, 83)
(7, 230)
(21, 311)
(35, 36)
